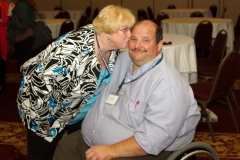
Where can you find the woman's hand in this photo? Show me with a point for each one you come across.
(11, 6)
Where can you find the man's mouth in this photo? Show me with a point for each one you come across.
(138, 50)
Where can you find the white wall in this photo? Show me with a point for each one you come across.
(232, 5)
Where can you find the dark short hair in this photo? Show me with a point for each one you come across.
(159, 35)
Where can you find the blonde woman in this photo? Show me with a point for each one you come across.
(62, 82)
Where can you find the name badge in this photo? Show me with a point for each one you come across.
(112, 99)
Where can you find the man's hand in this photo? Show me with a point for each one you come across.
(102, 152)
(11, 6)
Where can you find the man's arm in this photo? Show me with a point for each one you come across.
(125, 148)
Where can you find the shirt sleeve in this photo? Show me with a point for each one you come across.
(167, 116)
(4, 10)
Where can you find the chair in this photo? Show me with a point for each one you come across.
(196, 14)
(205, 93)
(66, 26)
(160, 17)
(217, 51)
(224, 12)
(194, 150)
(58, 8)
(95, 13)
(62, 15)
(203, 36)
(213, 9)
(142, 14)
(171, 6)
(150, 14)
(237, 28)
(237, 44)
(83, 20)
(88, 12)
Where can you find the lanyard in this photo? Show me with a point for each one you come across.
(100, 52)
(122, 83)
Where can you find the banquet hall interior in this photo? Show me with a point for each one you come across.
(179, 47)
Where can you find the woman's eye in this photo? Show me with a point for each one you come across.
(133, 39)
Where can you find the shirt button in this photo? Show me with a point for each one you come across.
(93, 131)
(102, 116)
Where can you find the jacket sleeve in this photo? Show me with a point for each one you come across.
(4, 10)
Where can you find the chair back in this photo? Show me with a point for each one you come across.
(203, 34)
(142, 14)
(237, 27)
(160, 17)
(58, 8)
(236, 46)
(95, 13)
(196, 14)
(62, 14)
(171, 6)
(150, 13)
(66, 26)
(224, 12)
(83, 20)
(88, 11)
(225, 76)
(219, 45)
(213, 9)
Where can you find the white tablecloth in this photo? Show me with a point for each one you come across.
(181, 53)
(54, 25)
(50, 14)
(187, 26)
(185, 12)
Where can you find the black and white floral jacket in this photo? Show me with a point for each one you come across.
(59, 81)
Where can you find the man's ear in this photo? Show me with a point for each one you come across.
(160, 43)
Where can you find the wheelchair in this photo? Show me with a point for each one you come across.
(195, 151)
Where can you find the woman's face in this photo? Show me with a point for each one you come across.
(120, 38)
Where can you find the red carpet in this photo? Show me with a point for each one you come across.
(9, 152)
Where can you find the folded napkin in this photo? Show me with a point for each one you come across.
(167, 43)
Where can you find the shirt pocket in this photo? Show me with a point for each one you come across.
(132, 113)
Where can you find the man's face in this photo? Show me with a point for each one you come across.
(142, 45)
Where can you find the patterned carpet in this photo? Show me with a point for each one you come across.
(13, 145)
(13, 142)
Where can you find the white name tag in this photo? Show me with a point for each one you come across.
(112, 99)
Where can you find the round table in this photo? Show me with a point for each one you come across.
(182, 54)
(50, 14)
(54, 25)
(187, 27)
(185, 12)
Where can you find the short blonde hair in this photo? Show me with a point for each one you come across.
(111, 17)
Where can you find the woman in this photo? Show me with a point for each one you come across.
(62, 82)
(20, 33)
(3, 41)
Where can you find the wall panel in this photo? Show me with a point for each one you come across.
(160, 4)
(75, 4)
(206, 4)
(100, 3)
(134, 5)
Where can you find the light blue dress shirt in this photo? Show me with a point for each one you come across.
(158, 108)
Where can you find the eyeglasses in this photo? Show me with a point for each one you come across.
(124, 30)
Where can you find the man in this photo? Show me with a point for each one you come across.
(146, 111)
